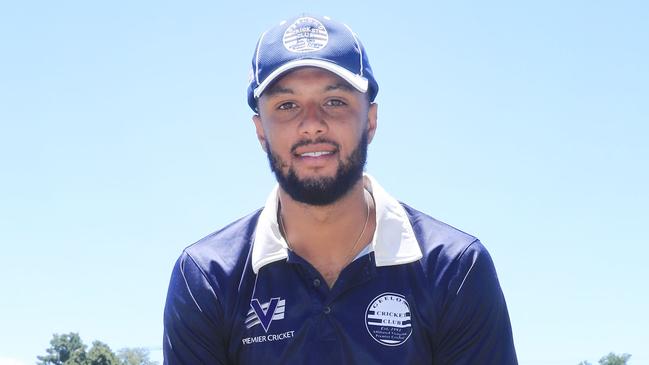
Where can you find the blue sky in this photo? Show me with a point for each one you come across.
(125, 136)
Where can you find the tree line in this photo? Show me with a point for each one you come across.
(69, 349)
(611, 359)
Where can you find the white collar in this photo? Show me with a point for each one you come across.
(394, 241)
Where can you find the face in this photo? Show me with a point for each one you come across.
(315, 129)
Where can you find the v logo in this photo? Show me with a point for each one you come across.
(266, 312)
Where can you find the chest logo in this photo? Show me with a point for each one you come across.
(265, 313)
(387, 319)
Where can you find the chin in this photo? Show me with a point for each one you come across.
(315, 175)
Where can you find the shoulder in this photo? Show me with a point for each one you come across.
(226, 245)
(220, 256)
(438, 239)
(201, 291)
(449, 254)
(471, 318)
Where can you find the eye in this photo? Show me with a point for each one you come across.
(335, 102)
(287, 106)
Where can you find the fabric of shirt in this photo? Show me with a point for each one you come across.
(423, 293)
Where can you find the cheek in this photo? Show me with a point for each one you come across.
(278, 142)
(353, 135)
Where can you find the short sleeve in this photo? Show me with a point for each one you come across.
(474, 323)
(193, 318)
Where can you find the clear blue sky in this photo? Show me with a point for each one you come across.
(125, 136)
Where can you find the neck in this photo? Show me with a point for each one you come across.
(299, 213)
(329, 236)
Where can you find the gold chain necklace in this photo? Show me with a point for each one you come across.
(351, 252)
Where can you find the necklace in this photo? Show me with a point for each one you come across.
(349, 257)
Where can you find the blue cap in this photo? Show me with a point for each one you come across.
(315, 41)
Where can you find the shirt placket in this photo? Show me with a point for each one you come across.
(326, 302)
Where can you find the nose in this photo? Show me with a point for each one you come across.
(313, 122)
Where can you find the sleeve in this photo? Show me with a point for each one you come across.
(193, 318)
(474, 323)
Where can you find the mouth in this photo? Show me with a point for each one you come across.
(315, 150)
(315, 154)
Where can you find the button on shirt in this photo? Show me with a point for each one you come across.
(422, 292)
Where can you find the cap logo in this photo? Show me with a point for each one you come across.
(305, 35)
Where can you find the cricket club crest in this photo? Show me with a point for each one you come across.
(388, 319)
(305, 35)
(265, 313)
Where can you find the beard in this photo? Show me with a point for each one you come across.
(320, 190)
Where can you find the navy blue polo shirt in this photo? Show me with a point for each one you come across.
(422, 292)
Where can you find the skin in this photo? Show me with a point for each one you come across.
(306, 104)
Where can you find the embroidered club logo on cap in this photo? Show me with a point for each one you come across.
(387, 319)
(305, 35)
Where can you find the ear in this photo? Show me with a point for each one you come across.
(372, 115)
(259, 128)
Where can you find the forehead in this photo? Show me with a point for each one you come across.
(305, 79)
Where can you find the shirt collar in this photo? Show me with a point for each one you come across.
(394, 241)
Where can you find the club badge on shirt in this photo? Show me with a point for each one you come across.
(387, 319)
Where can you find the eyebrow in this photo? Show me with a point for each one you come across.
(277, 89)
(340, 86)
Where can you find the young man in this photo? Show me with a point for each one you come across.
(332, 270)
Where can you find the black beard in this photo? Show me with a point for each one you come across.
(323, 190)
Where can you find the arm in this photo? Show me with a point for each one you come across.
(193, 318)
(474, 324)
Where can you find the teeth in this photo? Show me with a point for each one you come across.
(315, 154)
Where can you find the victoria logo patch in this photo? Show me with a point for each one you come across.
(305, 35)
(387, 319)
(265, 313)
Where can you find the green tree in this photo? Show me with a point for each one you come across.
(611, 359)
(78, 358)
(101, 354)
(135, 356)
(65, 349)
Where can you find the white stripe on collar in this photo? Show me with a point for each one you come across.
(394, 241)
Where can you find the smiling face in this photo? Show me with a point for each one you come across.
(315, 129)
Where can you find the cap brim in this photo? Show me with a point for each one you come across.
(358, 82)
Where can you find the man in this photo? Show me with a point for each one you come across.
(332, 270)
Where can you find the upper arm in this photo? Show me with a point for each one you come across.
(193, 318)
(474, 324)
